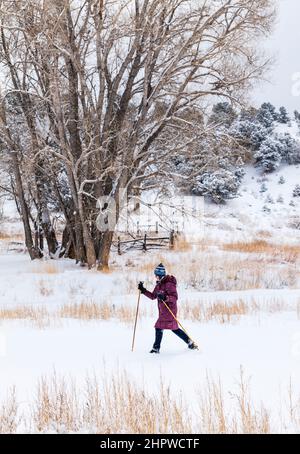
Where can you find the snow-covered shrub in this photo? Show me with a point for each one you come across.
(258, 135)
(283, 117)
(222, 114)
(263, 188)
(280, 199)
(267, 115)
(297, 115)
(219, 185)
(250, 133)
(266, 209)
(296, 191)
(294, 223)
(269, 154)
(269, 199)
(290, 148)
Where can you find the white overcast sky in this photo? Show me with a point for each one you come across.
(285, 45)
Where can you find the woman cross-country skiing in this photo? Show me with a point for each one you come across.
(166, 294)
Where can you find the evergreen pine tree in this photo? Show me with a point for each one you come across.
(222, 114)
(269, 154)
(296, 191)
(283, 116)
(266, 115)
(297, 115)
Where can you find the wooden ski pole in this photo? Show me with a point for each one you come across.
(179, 323)
(136, 317)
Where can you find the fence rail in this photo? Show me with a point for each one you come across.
(145, 243)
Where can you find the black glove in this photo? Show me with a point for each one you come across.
(141, 287)
(162, 296)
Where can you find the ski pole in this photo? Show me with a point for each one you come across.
(179, 323)
(136, 317)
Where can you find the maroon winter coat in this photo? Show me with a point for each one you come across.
(166, 286)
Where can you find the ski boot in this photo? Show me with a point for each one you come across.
(192, 346)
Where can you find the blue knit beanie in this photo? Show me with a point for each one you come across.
(160, 270)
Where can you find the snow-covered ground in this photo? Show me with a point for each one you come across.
(262, 338)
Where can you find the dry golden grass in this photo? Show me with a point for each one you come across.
(39, 316)
(264, 234)
(293, 406)
(231, 311)
(225, 273)
(4, 236)
(105, 269)
(48, 267)
(201, 311)
(182, 244)
(216, 418)
(56, 407)
(11, 236)
(87, 311)
(212, 266)
(223, 312)
(288, 253)
(101, 311)
(114, 403)
(9, 419)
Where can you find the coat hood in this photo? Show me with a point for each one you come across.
(169, 278)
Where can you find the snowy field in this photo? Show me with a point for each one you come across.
(64, 328)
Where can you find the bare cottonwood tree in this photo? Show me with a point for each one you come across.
(103, 85)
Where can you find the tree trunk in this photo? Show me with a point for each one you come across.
(104, 252)
(68, 244)
(80, 247)
(43, 212)
(32, 250)
(49, 233)
(87, 238)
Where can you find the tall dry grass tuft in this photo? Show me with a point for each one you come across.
(220, 311)
(87, 311)
(12, 237)
(56, 406)
(213, 266)
(243, 417)
(48, 267)
(39, 316)
(4, 236)
(101, 311)
(286, 252)
(229, 311)
(228, 273)
(203, 310)
(293, 407)
(113, 405)
(182, 244)
(9, 419)
(251, 419)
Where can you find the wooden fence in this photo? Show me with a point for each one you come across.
(145, 243)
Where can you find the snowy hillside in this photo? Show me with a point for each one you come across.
(264, 202)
